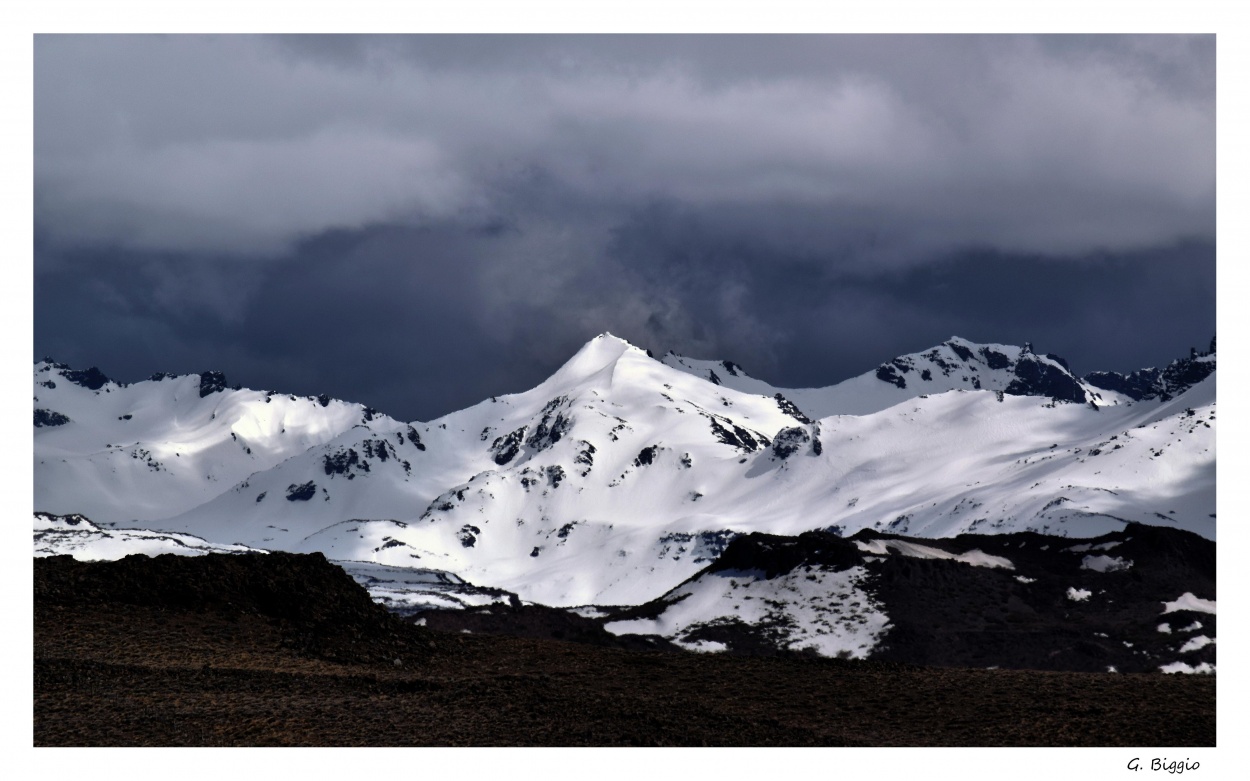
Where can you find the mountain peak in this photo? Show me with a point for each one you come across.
(596, 356)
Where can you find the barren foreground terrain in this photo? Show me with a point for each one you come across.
(286, 649)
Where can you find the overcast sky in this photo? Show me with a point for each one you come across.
(417, 223)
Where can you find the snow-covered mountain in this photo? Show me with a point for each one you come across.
(152, 449)
(956, 364)
(622, 476)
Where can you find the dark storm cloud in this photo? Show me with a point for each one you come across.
(797, 321)
(420, 222)
(390, 317)
(245, 144)
(418, 322)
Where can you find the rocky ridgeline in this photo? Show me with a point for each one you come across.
(1162, 384)
(322, 611)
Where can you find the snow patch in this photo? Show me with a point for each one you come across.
(1204, 668)
(1089, 546)
(976, 557)
(808, 608)
(1079, 594)
(74, 535)
(1105, 563)
(704, 646)
(1188, 601)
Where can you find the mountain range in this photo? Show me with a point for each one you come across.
(624, 478)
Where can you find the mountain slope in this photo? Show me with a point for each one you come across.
(1140, 599)
(122, 453)
(621, 476)
(1163, 384)
(956, 364)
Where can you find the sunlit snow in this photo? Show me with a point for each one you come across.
(976, 558)
(1188, 601)
(1194, 643)
(809, 607)
(1182, 667)
(620, 477)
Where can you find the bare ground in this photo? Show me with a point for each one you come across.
(154, 654)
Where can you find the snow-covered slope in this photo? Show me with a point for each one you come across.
(401, 589)
(148, 450)
(74, 535)
(622, 476)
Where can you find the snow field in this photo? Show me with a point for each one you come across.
(811, 607)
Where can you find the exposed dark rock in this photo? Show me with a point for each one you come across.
(705, 546)
(91, 379)
(468, 535)
(47, 417)
(529, 478)
(775, 555)
(724, 435)
(585, 456)
(505, 448)
(1059, 361)
(555, 474)
(789, 441)
(995, 359)
(1035, 377)
(1137, 385)
(790, 409)
(301, 492)
(738, 437)
(647, 456)
(1181, 375)
(963, 352)
(211, 382)
(342, 462)
(1144, 384)
(553, 426)
(377, 448)
(887, 372)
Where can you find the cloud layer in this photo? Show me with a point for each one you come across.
(246, 144)
(466, 211)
